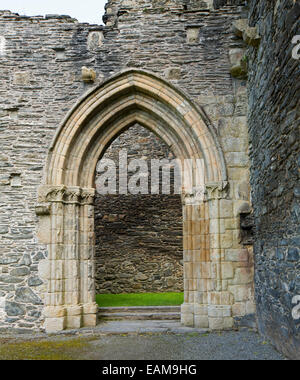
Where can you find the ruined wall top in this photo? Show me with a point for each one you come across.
(9, 15)
(157, 4)
(188, 5)
(116, 8)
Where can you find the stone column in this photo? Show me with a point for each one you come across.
(87, 259)
(208, 303)
(67, 229)
(220, 300)
(196, 259)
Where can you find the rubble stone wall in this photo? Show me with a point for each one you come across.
(275, 161)
(47, 64)
(139, 246)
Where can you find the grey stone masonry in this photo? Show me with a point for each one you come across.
(47, 64)
(139, 242)
(274, 104)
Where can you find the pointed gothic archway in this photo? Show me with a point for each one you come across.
(66, 198)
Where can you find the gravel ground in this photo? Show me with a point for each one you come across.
(229, 345)
(244, 345)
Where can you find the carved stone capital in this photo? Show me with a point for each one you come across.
(195, 197)
(87, 196)
(216, 190)
(51, 193)
(72, 195)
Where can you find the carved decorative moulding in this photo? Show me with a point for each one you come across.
(216, 190)
(195, 197)
(65, 194)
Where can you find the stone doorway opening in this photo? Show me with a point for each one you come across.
(139, 242)
(218, 275)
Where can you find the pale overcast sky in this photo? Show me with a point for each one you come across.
(84, 11)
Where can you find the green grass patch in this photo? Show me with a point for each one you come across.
(139, 299)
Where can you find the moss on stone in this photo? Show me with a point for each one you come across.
(239, 72)
(43, 350)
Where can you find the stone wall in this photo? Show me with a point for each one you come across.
(275, 160)
(42, 78)
(139, 244)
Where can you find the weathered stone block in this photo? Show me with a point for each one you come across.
(54, 312)
(173, 73)
(44, 230)
(74, 310)
(187, 308)
(200, 310)
(250, 307)
(26, 295)
(95, 40)
(2, 46)
(226, 240)
(8, 279)
(90, 308)
(20, 272)
(44, 269)
(34, 281)
(239, 309)
(226, 210)
(293, 254)
(221, 323)
(241, 207)
(74, 322)
(219, 311)
(88, 75)
(201, 322)
(193, 35)
(187, 319)
(237, 159)
(238, 63)
(227, 271)
(237, 255)
(21, 78)
(232, 224)
(6, 260)
(14, 309)
(4, 230)
(234, 144)
(54, 325)
(251, 36)
(25, 260)
(43, 210)
(242, 276)
(89, 320)
(239, 26)
(240, 292)
(141, 277)
(217, 226)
